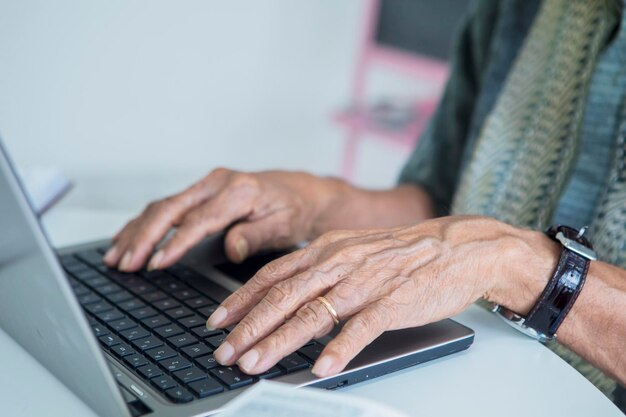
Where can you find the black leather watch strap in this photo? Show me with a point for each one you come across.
(561, 292)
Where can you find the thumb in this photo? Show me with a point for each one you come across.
(247, 238)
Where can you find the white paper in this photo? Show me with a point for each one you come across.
(44, 187)
(273, 399)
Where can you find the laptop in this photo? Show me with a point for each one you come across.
(136, 344)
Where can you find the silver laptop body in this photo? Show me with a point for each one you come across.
(39, 310)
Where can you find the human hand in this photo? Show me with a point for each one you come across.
(269, 210)
(379, 280)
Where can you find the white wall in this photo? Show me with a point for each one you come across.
(134, 99)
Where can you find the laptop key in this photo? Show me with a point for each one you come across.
(199, 302)
(96, 280)
(178, 313)
(67, 259)
(122, 350)
(150, 371)
(163, 382)
(77, 269)
(110, 315)
(182, 340)
(166, 304)
(131, 304)
(92, 257)
(156, 321)
(108, 288)
(122, 324)
(216, 341)
(100, 330)
(191, 322)
(203, 332)
(173, 286)
(190, 374)
(161, 353)
(120, 277)
(135, 360)
(207, 362)
(153, 296)
(119, 296)
(174, 364)
(293, 362)
(179, 395)
(152, 275)
(99, 307)
(141, 288)
(273, 372)
(168, 330)
(147, 343)
(135, 334)
(110, 340)
(207, 311)
(231, 376)
(143, 313)
(194, 351)
(80, 289)
(81, 271)
(312, 352)
(89, 298)
(186, 294)
(206, 387)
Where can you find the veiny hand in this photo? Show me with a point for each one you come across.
(377, 280)
(269, 210)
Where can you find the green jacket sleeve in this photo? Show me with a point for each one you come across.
(435, 163)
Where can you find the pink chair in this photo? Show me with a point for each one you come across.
(358, 121)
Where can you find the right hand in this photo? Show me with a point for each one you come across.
(268, 210)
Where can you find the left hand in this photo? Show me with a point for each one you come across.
(379, 280)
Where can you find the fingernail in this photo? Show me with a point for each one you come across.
(110, 255)
(248, 360)
(218, 316)
(155, 261)
(323, 366)
(126, 260)
(242, 249)
(224, 353)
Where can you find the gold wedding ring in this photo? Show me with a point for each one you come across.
(330, 309)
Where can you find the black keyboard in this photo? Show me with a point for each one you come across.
(154, 323)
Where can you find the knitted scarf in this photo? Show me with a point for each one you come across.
(528, 144)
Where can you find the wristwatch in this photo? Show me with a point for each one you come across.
(562, 289)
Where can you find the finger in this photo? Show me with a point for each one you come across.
(134, 243)
(137, 239)
(113, 256)
(237, 305)
(285, 298)
(310, 322)
(214, 216)
(247, 238)
(282, 301)
(356, 334)
(138, 243)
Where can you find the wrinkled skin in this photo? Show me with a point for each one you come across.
(393, 269)
(376, 280)
(270, 208)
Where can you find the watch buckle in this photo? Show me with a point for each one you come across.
(576, 247)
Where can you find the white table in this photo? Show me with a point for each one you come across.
(503, 373)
